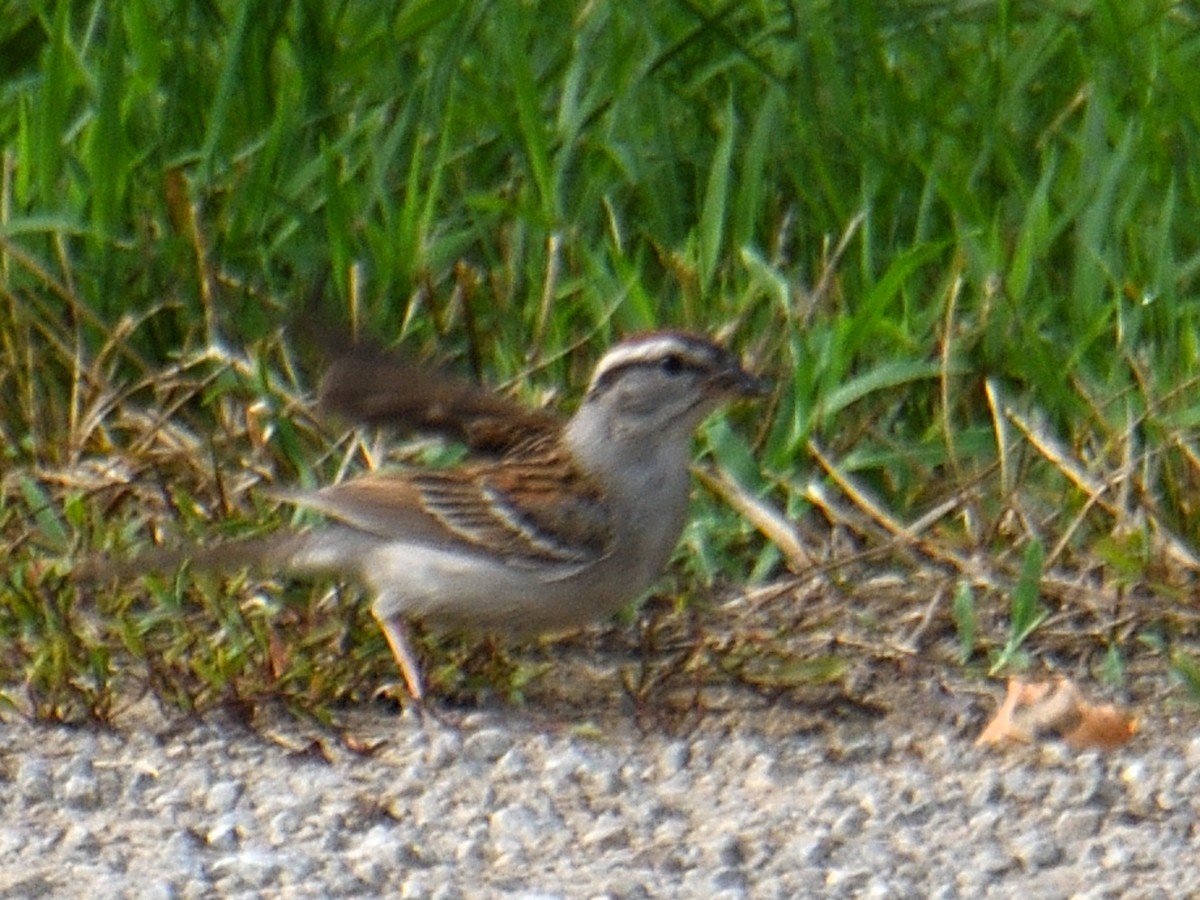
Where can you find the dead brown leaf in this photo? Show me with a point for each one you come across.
(1034, 710)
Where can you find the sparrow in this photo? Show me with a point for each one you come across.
(551, 525)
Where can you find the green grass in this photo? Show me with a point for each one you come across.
(961, 237)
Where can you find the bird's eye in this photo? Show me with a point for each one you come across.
(672, 364)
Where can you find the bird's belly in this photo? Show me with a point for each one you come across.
(461, 592)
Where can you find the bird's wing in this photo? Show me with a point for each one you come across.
(377, 389)
(533, 510)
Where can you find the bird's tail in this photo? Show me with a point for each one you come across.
(270, 553)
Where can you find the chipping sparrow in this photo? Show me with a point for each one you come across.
(570, 521)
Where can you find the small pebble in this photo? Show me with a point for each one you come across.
(487, 745)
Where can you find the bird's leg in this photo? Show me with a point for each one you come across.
(396, 632)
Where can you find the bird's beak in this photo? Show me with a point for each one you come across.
(737, 382)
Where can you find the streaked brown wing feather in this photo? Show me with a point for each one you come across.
(526, 508)
(522, 507)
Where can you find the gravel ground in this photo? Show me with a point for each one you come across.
(756, 800)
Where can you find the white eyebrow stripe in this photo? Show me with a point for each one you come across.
(652, 350)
